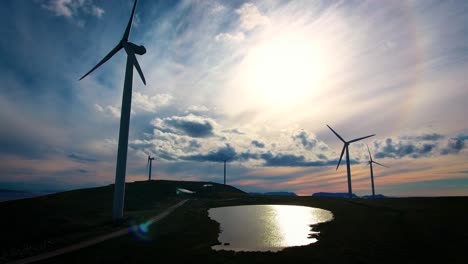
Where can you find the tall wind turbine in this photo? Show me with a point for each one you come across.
(131, 49)
(345, 147)
(372, 171)
(150, 164)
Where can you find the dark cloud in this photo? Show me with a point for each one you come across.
(194, 144)
(454, 146)
(221, 154)
(81, 158)
(190, 125)
(321, 156)
(257, 143)
(425, 137)
(245, 156)
(400, 149)
(304, 139)
(291, 160)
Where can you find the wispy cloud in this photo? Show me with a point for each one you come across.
(150, 103)
(250, 17)
(71, 8)
(230, 37)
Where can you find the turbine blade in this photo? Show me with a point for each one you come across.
(336, 134)
(129, 25)
(106, 58)
(380, 164)
(137, 66)
(357, 139)
(341, 156)
(370, 156)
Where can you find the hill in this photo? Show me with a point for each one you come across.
(336, 195)
(35, 224)
(275, 193)
(388, 230)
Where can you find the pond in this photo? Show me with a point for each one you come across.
(266, 227)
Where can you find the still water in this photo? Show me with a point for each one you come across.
(266, 227)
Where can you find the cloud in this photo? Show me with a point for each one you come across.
(97, 11)
(217, 8)
(221, 154)
(292, 160)
(418, 146)
(304, 140)
(110, 110)
(70, 8)
(233, 131)
(150, 103)
(454, 146)
(425, 137)
(402, 148)
(258, 144)
(81, 158)
(190, 125)
(250, 17)
(197, 109)
(230, 37)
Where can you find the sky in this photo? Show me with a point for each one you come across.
(255, 82)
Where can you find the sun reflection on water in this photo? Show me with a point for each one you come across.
(266, 227)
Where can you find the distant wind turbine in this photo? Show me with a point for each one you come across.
(345, 147)
(225, 160)
(372, 171)
(131, 49)
(150, 164)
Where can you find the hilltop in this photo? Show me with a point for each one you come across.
(35, 224)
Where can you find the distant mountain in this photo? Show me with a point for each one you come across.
(275, 193)
(281, 193)
(336, 195)
(377, 196)
(12, 191)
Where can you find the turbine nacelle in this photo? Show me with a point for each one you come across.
(130, 48)
(140, 50)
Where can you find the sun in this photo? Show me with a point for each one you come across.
(284, 70)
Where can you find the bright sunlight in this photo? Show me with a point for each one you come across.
(284, 70)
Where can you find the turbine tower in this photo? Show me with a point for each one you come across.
(345, 147)
(131, 49)
(372, 171)
(150, 164)
(225, 171)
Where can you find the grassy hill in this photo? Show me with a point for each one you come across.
(33, 225)
(387, 230)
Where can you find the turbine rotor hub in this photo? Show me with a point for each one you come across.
(140, 50)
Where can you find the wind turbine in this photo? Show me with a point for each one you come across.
(131, 49)
(150, 164)
(225, 160)
(372, 171)
(225, 171)
(345, 147)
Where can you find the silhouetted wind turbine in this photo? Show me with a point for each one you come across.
(225, 171)
(150, 164)
(372, 171)
(345, 147)
(225, 160)
(131, 49)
